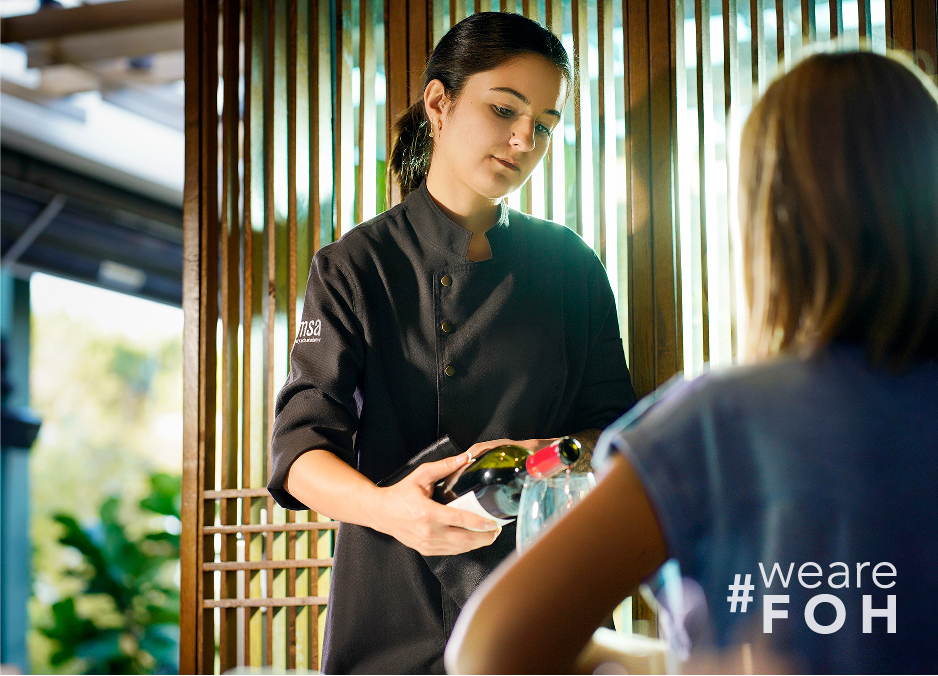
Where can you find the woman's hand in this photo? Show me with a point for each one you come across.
(407, 512)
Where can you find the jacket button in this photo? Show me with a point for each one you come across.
(449, 370)
(446, 280)
(447, 327)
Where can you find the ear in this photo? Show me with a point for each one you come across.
(435, 100)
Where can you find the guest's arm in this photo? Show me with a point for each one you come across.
(536, 612)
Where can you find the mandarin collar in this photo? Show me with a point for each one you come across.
(430, 221)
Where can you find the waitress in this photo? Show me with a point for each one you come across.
(448, 314)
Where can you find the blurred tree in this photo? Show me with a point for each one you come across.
(131, 574)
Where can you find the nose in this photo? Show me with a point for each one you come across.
(522, 135)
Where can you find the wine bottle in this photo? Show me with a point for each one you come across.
(491, 485)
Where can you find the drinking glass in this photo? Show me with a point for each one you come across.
(543, 501)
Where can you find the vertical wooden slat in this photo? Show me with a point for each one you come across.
(270, 296)
(925, 16)
(208, 327)
(704, 147)
(582, 224)
(606, 149)
(731, 105)
(682, 157)
(279, 264)
(315, 85)
(757, 44)
(344, 161)
(322, 131)
(247, 307)
(865, 19)
(270, 656)
(291, 168)
(555, 193)
(322, 208)
(256, 149)
(367, 123)
(548, 161)
(300, 633)
(900, 27)
(654, 346)
(270, 230)
(638, 151)
(457, 11)
(287, 259)
(200, 309)
(533, 191)
(836, 9)
(419, 25)
(783, 32)
(408, 28)
(395, 58)
(808, 21)
(667, 347)
(300, 127)
(230, 316)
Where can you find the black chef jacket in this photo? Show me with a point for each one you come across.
(403, 341)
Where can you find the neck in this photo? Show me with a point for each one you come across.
(473, 212)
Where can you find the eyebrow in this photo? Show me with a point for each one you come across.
(509, 90)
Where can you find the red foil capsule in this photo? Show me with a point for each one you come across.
(554, 458)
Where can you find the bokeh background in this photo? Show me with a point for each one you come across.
(91, 136)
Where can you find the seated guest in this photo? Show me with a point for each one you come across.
(803, 479)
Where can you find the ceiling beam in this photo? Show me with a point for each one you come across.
(143, 40)
(51, 24)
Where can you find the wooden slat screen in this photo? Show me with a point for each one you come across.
(288, 114)
(286, 142)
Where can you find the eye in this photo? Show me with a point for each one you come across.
(541, 129)
(503, 112)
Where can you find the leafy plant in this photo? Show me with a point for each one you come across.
(135, 574)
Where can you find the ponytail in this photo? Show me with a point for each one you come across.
(410, 155)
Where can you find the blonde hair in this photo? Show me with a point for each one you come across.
(838, 200)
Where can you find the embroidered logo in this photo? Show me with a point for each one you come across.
(309, 331)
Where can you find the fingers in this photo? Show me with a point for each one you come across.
(460, 518)
(457, 541)
(481, 447)
(431, 472)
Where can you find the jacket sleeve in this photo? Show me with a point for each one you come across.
(317, 407)
(606, 390)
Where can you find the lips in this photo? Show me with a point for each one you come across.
(508, 163)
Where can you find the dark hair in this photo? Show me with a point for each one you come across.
(839, 221)
(478, 43)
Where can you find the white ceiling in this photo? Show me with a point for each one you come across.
(97, 88)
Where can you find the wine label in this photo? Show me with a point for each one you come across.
(470, 503)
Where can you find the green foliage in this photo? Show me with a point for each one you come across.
(134, 574)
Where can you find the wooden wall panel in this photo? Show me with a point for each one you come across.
(283, 156)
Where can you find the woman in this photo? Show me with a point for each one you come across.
(820, 456)
(448, 315)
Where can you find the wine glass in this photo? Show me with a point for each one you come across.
(543, 501)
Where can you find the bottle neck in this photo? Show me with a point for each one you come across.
(554, 458)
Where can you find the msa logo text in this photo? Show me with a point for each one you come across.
(309, 331)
